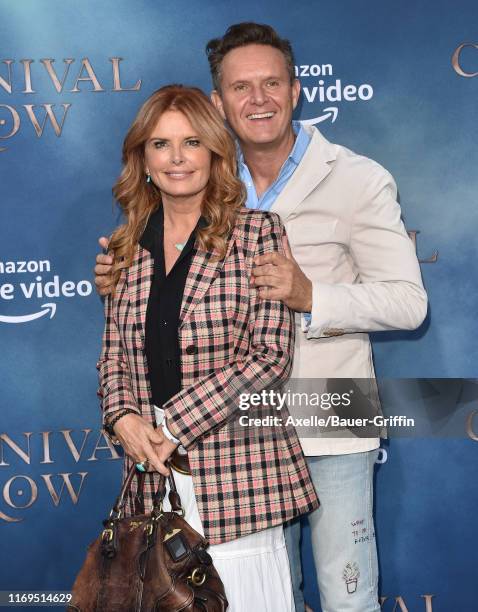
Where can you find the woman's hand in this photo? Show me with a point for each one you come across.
(141, 441)
(164, 449)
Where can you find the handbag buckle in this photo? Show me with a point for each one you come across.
(149, 528)
(198, 577)
(107, 535)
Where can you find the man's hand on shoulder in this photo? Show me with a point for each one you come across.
(103, 269)
(279, 277)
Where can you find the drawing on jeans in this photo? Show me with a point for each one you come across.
(351, 575)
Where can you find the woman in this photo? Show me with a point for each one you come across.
(185, 332)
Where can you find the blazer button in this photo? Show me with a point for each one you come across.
(191, 349)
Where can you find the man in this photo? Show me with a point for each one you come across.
(350, 269)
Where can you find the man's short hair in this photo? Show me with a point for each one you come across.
(240, 35)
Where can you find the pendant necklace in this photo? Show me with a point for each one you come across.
(180, 245)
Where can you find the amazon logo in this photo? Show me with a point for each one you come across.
(318, 89)
(39, 288)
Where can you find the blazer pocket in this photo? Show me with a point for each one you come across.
(313, 234)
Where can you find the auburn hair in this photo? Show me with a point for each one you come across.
(224, 194)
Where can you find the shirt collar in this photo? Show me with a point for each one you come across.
(300, 145)
(301, 142)
(153, 230)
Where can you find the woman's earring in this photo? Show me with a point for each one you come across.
(148, 178)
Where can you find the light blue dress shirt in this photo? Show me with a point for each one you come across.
(269, 196)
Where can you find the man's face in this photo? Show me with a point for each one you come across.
(257, 97)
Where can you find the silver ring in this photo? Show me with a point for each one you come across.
(143, 466)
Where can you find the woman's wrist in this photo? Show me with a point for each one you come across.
(109, 425)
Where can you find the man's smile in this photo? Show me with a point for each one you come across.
(254, 116)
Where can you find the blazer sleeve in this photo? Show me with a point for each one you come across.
(208, 404)
(114, 373)
(389, 293)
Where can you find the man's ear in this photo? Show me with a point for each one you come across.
(217, 102)
(295, 92)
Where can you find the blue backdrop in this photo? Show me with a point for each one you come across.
(377, 77)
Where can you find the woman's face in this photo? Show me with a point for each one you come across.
(176, 159)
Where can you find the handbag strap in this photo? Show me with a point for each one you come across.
(121, 499)
(174, 497)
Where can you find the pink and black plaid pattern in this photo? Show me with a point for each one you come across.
(231, 342)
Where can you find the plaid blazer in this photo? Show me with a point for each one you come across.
(230, 343)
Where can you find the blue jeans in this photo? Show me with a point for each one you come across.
(342, 534)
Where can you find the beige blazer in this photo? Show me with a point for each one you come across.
(345, 230)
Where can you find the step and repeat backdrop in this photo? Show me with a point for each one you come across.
(396, 81)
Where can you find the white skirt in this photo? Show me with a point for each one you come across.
(254, 569)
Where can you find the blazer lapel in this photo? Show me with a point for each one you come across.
(313, 168)
(204, 269)
(202, 272)
(140, 277)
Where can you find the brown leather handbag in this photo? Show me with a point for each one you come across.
(148, 562)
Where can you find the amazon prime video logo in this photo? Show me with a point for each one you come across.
(32, 281)
(321, 89)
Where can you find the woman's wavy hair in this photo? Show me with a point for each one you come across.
(137, 198)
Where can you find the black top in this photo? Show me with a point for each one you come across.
(164, 307)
